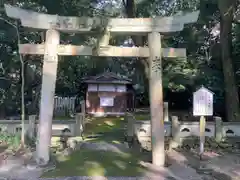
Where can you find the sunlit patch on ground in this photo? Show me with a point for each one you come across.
(116, 142)
(109, 123)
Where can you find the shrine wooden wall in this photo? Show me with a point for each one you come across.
(108, 100)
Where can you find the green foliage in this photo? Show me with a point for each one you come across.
(12, 140)
(202, 66)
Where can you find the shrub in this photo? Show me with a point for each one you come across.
(12, 140)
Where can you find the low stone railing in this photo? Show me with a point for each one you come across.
(178, 130)
(74, 126)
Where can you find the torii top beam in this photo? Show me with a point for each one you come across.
(37, 20)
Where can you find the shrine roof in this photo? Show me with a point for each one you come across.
(107, 77)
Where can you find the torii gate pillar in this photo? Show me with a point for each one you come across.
(156, 98)
(50, 64)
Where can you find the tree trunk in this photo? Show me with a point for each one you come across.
(231, 91)
(129, 6)
(23, 75)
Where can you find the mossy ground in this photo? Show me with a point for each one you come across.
(101, 163)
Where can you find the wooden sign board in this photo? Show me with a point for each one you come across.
(112, 51)
(203, 102)
(37, 20)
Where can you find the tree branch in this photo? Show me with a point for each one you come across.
(124, 4)
(235, 21)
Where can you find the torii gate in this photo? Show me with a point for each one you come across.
(52, 49)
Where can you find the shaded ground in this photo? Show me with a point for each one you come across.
(87, 162)
(3, 149)
(93, 162)
(213, 166)
(104, 154)
(97, 163)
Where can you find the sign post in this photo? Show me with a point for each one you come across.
(202, 106)
(202, 135)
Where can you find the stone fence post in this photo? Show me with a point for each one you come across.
(218, 128)
(32, 126)
(165, 107)
(130, 125)
(83, 111)
(175, 133)
(79, 128)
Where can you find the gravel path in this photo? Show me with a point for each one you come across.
(104, 146)
(16, 170)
